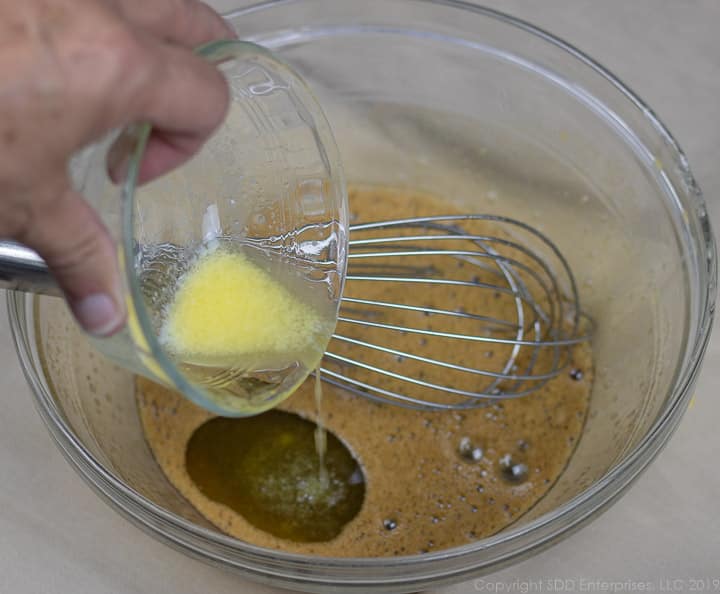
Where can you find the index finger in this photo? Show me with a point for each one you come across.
(185, 22)
(184, 98)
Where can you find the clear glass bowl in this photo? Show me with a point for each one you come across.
(503, 118)
(268, 184)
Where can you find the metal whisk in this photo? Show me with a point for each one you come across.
(438, 312)
(447, 312)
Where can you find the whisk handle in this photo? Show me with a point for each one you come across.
(22, 269)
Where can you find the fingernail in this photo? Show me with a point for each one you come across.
(99, 315)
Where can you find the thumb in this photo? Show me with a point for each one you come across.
(81, 256)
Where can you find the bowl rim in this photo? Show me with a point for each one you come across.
(548, 528)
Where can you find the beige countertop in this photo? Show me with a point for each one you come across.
(57, 536)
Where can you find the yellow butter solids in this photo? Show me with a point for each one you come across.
(226, 305)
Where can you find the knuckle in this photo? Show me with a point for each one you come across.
(125, 69)
(166, 13)
(181, 20)
(16, 219)
(81, 248)
(124, 53)
(25, 203)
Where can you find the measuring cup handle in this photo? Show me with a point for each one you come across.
(22, 269)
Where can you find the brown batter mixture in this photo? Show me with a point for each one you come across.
(425, 490)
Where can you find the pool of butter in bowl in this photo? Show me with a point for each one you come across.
(421, 492)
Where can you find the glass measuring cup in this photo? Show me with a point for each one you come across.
(268, 185)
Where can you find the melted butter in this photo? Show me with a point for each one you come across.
(266, 468)
(320, 432)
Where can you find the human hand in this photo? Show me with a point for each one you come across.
(70, 72)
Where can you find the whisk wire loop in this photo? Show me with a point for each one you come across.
(420, 291)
